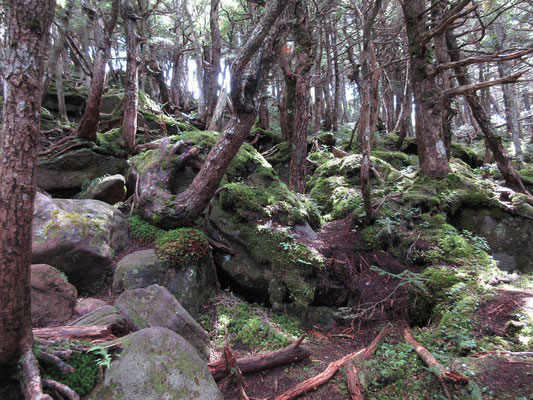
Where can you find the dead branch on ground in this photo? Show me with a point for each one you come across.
(318, 380)
(443, 375)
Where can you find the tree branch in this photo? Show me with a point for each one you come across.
(481, 59)
(461, 90)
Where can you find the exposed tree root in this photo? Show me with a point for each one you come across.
(63, 390)
(443, 375)
(55, 361)
(30, 378)
(318, 380)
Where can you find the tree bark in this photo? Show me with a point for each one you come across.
(492, 138)
(213, 69)
(427, 93)
(303, 54)
(103, 32)
(131, 82)
(60, 91)
(28, 29)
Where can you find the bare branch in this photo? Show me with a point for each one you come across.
(465, 89)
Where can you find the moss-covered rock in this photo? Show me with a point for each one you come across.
(69, 171)
(191, 282)
(156, 363)
(466, 155)
(333, 184)
(155, 306)
(79, 237)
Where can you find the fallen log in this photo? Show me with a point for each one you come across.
(78, 332)
(318, 380)
(261, 362)
(443, 375)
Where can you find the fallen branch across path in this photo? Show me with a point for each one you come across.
(80, 332)
(261, 362)
(443, 375)
(318, 380)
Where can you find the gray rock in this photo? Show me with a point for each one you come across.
(192, 284)
(88, 305)
(106, 315)
(155, 306)
(72, 169)
(510, 237)
(110, 190)
(78, 237)
(52, 298)
(157, 364)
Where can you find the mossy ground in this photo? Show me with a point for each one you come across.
(248, 325)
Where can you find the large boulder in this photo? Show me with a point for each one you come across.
(70, 170)
(88, 305)
(79, 237)
(52, 298)
(191, 284)
(255, 214)
(510, 237)
(155, 306)
(155, 364)
(105, 315)
(110, 189)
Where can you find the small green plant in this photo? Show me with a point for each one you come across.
(89, 183)
(142, 230)
(181, 246)
(103, 354)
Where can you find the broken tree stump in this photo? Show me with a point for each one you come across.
(443, 375)
(261, 362)
(352, 378)
(318, 380)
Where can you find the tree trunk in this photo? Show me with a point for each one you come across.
(304, 56)
(492, 138)
(131, 82)
(213, 71)
(428, 98)
(60, 91)
(59, 46)
(27, 32)
(268, 35)
(511, 112)
(91, 117)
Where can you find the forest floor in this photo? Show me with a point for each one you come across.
(496, 376)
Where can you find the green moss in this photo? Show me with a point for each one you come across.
(397, 159)
(142, 230)
(293, 264)
(111, 142)
(84, 377)
(145, 160)
(333, 184)
(254, 326)
(181, 246)
(327, 139)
